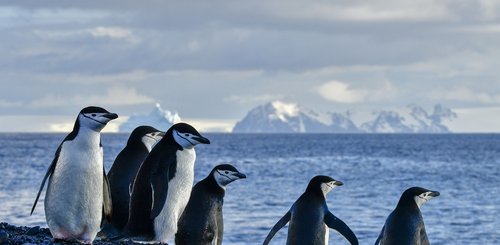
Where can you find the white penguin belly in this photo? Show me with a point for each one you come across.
(179, 191)
(74, 198)
(327, 234)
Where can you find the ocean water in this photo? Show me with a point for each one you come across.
(375, 169)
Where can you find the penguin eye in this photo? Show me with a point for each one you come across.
(187, 135)
(93, 114)
(227, 172)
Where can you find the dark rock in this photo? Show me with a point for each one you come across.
(4, 237)
(33, 231)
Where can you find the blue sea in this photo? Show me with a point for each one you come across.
(375, 169)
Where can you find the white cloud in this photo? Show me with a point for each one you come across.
(114, 32)
(340, 92)
(114, 96)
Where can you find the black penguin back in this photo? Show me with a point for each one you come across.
(405, 222)
(123, 172)
(307, 218)
(198, 223)
(140, 221)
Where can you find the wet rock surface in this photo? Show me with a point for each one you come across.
(22, 235)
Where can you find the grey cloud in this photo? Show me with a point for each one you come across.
(208, 58)
(243, 35)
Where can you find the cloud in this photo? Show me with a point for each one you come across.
(7, 103)
(396, 10)
(253, 99)
(115, 96)
(340, 92)
(464, 94)
(114, 33)
(282, 35)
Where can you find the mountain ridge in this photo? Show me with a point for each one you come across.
(283, 117)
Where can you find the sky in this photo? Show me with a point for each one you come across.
(212, 61)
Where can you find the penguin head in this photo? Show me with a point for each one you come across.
(323, 183)
(95, 118)
(417, 194)
(225, 174)
(186, 135)
(146, 135)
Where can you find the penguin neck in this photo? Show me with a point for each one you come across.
(316, 192)
(170, 141)
(88, 136)
(407, 202)
(214, 187)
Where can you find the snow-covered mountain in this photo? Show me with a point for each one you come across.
(386, 122)
(158, 118)
(282, 117)
(412, 119)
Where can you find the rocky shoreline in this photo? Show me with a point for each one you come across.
(23, 235)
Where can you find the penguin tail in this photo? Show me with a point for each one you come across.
(121, 237)
(108, 231)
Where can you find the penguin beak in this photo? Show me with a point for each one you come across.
(110, 116)
(201, 139)
(434, 193)
(338, 183)
(160, 134)
(240, 175)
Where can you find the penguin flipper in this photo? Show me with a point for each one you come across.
(339, 225)
(282, 222)
(49, 173)
(107, 205)
(159, 183)
(380, 236)
(423, 236)
(220, 229)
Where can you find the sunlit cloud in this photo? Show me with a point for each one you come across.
(115, 33)
(341, 92)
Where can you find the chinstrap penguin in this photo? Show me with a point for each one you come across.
(310, 218)
(122, 174)
(163, 185)
(202, 221)
(78, 192)
(405, 225)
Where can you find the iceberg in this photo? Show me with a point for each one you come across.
(158, 118)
